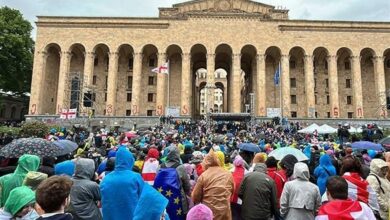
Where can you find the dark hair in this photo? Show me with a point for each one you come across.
(351, 164)
(337, 187)
(271, 162)
(52, 193)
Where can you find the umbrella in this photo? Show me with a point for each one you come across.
(34, 146)
(229, 135)
(366, 145)
(385, 142)
(67, 146)
(131, 135)
(251, 147)
(280, 153)
(219, 139)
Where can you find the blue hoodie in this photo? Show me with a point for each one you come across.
(322, 174)
(121, 189)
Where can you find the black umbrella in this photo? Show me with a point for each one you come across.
(33, 146)
(385, 142)
(67, 146)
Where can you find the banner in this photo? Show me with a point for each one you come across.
(273, 112)
(172, 111)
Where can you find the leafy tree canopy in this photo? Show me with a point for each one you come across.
(16, 52)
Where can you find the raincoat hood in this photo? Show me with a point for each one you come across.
(84, 169)
(221, 158)
(124, 160)
(325, 160)
(260, 167)
(210, 160)
(173, 154)
(27, 163)
(18, 198)
(301, 171)
(33, 179)
(376, 166)
(152, 199)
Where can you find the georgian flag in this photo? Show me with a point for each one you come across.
(68, 113)
(345, 210)
(149, 170)
(162, 69)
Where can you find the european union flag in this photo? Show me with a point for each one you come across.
(277, 76)
(167, 182)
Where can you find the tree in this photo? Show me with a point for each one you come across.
(16, 52)
(34, 129)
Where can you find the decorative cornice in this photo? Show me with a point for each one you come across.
(333, 28)
(87, 24)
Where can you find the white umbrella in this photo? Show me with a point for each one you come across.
(310, 129)
(326, 129)
(355, 130)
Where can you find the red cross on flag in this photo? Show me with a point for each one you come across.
(68, 113)
(162, 69)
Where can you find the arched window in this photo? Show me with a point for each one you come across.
(13, 112)
(2, 111)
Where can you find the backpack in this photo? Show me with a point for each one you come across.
(167, 182)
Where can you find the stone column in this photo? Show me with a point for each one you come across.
(380, 82)
(260, 95)
(161, 89)
(357, 86)
(210, 86)
(88, 68)
(137, 76)
(235, 96)
(186, 85)
(63, 81)
(38, 76)
(285, 60)
(333, 86)
(309, 86)
(112, 84)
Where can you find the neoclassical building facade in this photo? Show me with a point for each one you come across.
(329, 69)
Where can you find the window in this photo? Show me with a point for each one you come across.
(327, 83)
(327, 100)
(293, 99)
(96, 61)
(348, 83)
(106, 84)
(149, 113)
(129, 82)
(328, 114)
(293, 114)
(326, 64)
(128, 112)
(129, 97)
(130, 64)
(151, 80)
(105, 97)
(13, 112)
(315, 83)
(350, 114)
(150, 97)
(292, 64)
(316, 114)
(151, 62)
(349, 100)
(107, 62)
(347, 65)
(293, 83)
(94, 80)
(316, 99)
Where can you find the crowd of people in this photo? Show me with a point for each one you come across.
(195, 171)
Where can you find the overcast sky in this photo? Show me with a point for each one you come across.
(354, 10)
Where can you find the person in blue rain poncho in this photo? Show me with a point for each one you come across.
(323, 171)
(121, 189)
(155, 203)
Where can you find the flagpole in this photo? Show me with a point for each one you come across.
(280, 91)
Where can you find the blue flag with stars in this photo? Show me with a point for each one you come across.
(277, 76)
(167, 182)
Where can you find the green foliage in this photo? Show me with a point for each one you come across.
(34, 129)
(16, 52)
(12, 130)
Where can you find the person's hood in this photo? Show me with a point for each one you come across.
(153, 200)
(33, 179)
(111, 153)
(221, 158)
(342, 209)
(200, 212)
(153, 153)
(27, 163)
(325, 160)
(84, 169)
(260, 167)
(110, 165)
(376, 166)
(124, 160)
(260, 158)
(173, 155)
(210, 160)
(301, 171)
(64, 168)
(18, 198)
